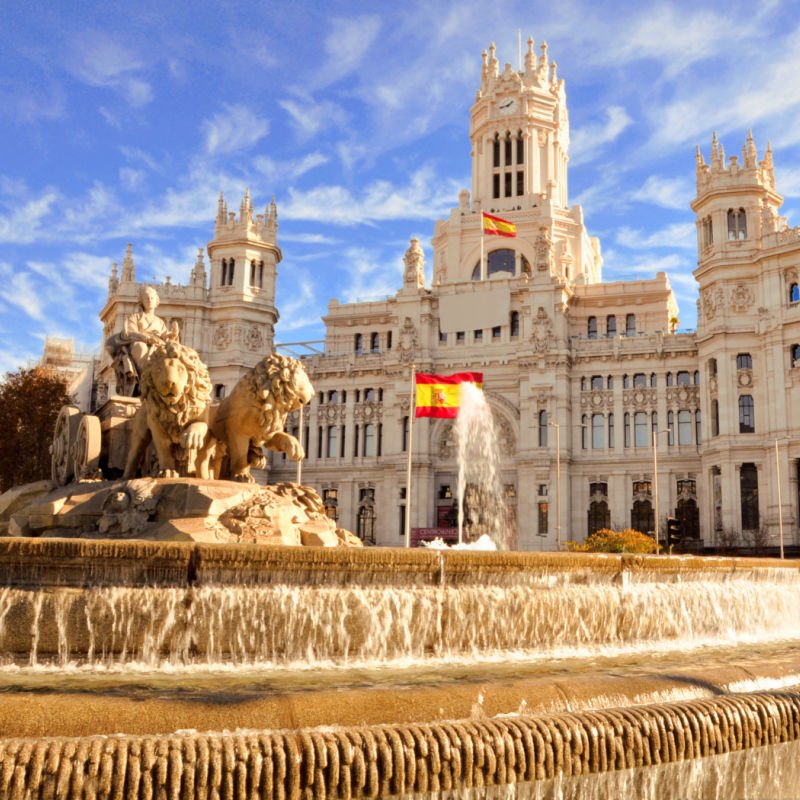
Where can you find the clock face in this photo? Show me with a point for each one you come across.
(508, 105)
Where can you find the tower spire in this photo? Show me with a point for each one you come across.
(750, 155)
(128, 265)
(530, 57)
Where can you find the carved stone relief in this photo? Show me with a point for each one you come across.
(741, 298)
(542, 334)
(222, 336)
(544, 250)
(408, 342)
(712, 301)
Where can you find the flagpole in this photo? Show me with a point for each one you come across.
(519, 49)
(300, 434)
(411, 411)
(483, 265)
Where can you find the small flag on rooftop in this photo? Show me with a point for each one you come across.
(495, 226)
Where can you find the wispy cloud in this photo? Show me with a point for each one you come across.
(100, 60)
(680, 234)
(346, 44)
(665, 192)
(236, 127)
(24, 223)
(424, 197)
(589, 140)
(369, 276)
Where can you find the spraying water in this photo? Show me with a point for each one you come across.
(481, 504)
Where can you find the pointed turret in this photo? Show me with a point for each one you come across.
(494, 64)
(530, 58)
(222, 212)
(198, 277)
(128, 265)
(749, 153)
(714, 151)
(553, 73)
(543, 58)
(246, 207)
(113, 280)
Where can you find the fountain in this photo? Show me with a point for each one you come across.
(210, 665)
(175, 669)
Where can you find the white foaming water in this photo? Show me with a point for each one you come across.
(480, 489)
(278, 626)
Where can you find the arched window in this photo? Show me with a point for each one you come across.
(696, 377)
(794, 353)
(597, 382)
(374, 342)
(219, 391)
(689, 517)
(591, 327)
(369, 395)
(333, 396)
(223, 279)
(737, 224)
(515, 323)
(598, 430)
(748, 490)
(611, 326)
(231, 268)
(358, 344)
(652, 380)
(260, 275)
(669, 379)
(502, 260)
(642, 518)
(744, 361)
(610, 383)
(543, 429)
(684, 427)
(583, 384)
(712, 367)
(626, 382)
(794, 293)
(684, 378)
(706, 233)
(366, 516)
(496, 152)
(630, 325)
(599, 516)
(640, 381)
(747, 422)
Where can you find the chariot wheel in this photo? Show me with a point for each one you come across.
(63, 441)
(86, 450)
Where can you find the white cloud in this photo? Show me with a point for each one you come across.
(21, 290)
(235, 128)
(101, 61)
(131, 179)
(588, 140)
(665, 192)
(309, 116)
(23, 225)
(346, 44)
(679, 234)
(288, 169)
(369, 277)
(425, 197)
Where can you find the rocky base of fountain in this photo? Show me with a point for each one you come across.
(172, 509)
(425, 760)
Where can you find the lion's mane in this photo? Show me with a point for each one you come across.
(272, 386)
(195, 399)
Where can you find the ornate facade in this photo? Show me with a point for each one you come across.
(576, 370)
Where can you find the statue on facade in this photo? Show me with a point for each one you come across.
(141, 332)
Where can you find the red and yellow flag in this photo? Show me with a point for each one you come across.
(440, 395)
(494, 226)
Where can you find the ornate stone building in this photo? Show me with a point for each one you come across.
(228, 316)
(593, 368)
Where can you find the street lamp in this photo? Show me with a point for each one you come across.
(558, 482)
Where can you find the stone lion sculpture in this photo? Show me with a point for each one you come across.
(176, 393)
(254, 415)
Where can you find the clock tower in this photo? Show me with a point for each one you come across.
(520, 134)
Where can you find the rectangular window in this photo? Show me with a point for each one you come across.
(495, 186)
(626, 429)
(333, 441)
(460, 336)
(520, 151)
(496, 332)
(747, 423)
(496, 153)
(356, 440)
(544, 508)
(520, 182)
(684, 427)
(508, 178)
(388, 340)
(319, 442)
(611, 431)
(405, 434)
(542, 490)
(477, 335)
(640, 429)
(508, 151)
(598, 426)
(342, 440)
(442, 337)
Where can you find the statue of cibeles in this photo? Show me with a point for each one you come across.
(141, 332)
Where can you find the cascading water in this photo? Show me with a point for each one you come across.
(480, 489)
(395, 674)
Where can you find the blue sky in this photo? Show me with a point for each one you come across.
(122, 122)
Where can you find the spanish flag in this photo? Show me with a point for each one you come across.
(440, 395)
(494, 226)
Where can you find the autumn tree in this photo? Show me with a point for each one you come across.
(30, 400)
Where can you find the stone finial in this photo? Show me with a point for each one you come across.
(113, 280)
(414, 261)
(530, 57)
(494, 64)
(128, 265)
(222, 211)
(553, 73)
(543, 57)
(198, 276)
(714, 151)
(749, 153)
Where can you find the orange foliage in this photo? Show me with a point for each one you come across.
(607, 541)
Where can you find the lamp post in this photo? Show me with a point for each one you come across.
(557, 426)
(655, 481)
